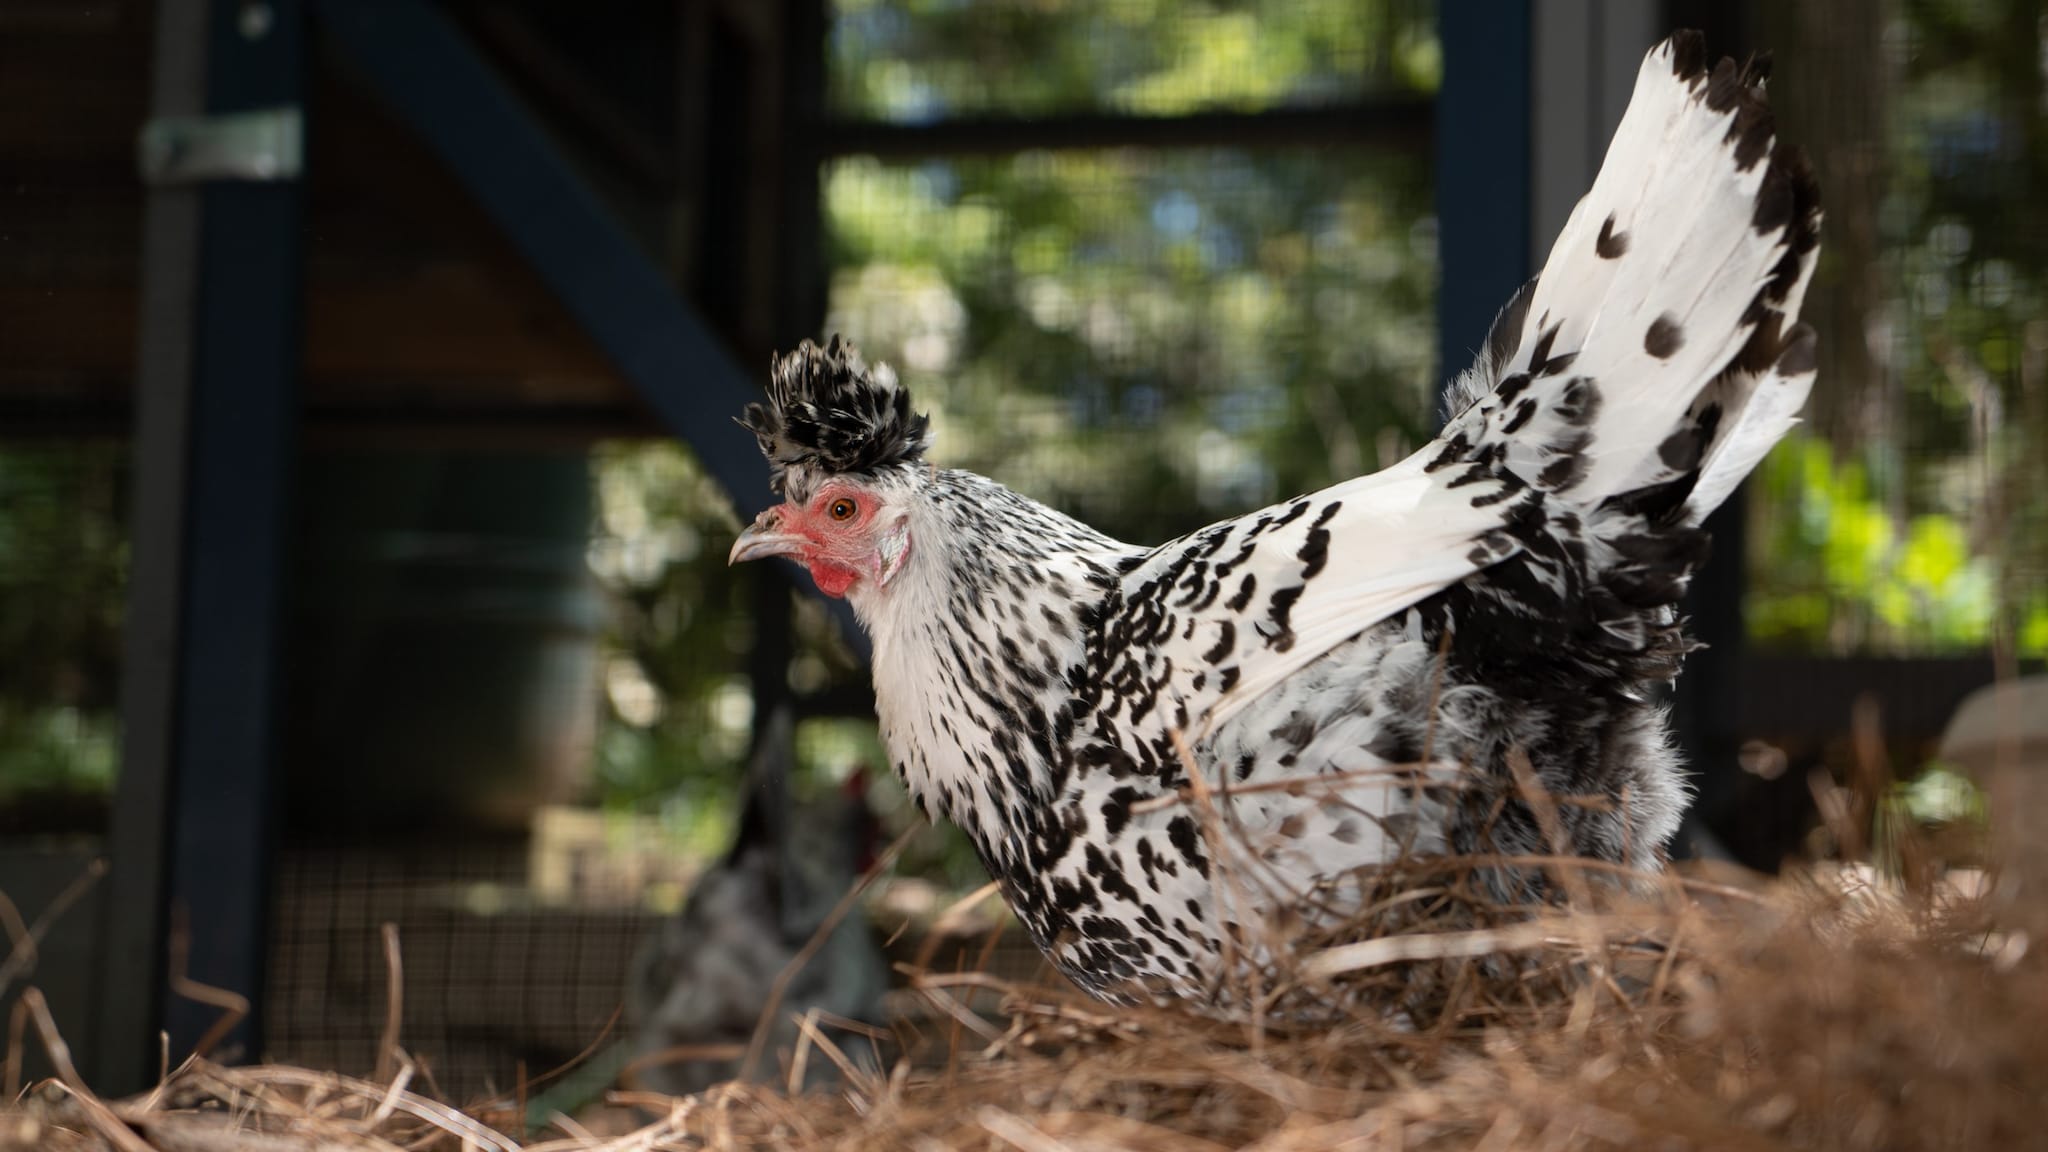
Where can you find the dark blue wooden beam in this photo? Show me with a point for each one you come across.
(426, 69)
(214, 443)
(1482, 171)
(244, 416)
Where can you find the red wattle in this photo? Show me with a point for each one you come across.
(833, 580)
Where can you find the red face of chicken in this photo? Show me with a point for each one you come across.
(844, 533)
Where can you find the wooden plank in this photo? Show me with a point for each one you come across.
(421, 65)
(420, 314)
(449, 332)
(74, 87)
(1788, 698)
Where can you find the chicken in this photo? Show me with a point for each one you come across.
(704, 978)
(1355, 673)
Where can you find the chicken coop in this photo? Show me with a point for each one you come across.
(368, 371)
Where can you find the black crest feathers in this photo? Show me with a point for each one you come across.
(827, 410)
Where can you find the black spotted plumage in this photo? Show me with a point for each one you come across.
(1354, 672)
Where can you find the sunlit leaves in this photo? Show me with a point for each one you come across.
(679, 630)
(1836, 571)
(1927, 529)
(926, 59)
(1147, 339)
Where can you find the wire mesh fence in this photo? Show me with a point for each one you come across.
(1150, 336)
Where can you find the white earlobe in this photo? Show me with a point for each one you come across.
(892, 551)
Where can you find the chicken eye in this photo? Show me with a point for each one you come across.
(843, 509)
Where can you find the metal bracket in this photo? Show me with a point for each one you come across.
(261, 145)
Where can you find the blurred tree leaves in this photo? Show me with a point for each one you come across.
(1148, 340)
(1151, 340)
(63, 578)
(681, 624)
(678, 696)
(1915, 517)
(927, 59)
(1841, 574)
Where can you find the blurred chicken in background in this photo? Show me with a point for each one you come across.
(702, 981)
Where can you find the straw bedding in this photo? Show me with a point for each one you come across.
(1833, 1008)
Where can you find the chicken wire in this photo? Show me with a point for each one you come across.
(1148, 339)
(1226, 246)
(910, 62)
(494, 982)
(1909, 516)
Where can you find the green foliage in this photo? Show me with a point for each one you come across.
(675, 659)
(1834, 571)
(932, 58)
(1148, 340)
(1928, 531)
(46, 749)
(63, 578)
(679, 701)
(1941, 794)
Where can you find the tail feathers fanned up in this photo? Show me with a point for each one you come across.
(1658, 350)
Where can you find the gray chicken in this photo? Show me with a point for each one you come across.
(703, 979)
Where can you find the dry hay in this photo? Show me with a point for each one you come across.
(1833, 1009)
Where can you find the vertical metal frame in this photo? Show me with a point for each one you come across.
(217, 404)
(1483, 187)
(132, 973)
(1585, 54)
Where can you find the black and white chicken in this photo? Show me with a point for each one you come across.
(1362, 665)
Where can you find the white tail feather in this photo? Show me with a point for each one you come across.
(1767, 413)
(1651, 344)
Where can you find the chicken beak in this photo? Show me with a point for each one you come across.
(762, 539)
